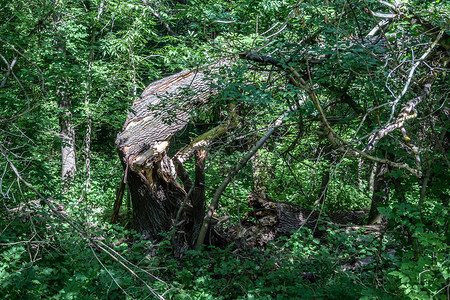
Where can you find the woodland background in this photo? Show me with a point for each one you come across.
(360, 89)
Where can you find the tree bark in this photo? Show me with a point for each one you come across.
(380, 195)
(150, 173)
(67, 130)
(118, 202)
(198, 194)
(87, 137)
(67, 135)
(322, 195)
(274, 219)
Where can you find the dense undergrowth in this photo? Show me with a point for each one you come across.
(71, 267)
(44, 257)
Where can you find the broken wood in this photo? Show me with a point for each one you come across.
(162, 111)
(118, 202)
(271, 219)
(233, 172)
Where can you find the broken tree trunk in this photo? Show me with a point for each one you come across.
(271, 219)
(198, 194)
(150, 173)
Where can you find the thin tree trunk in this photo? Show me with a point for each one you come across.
(198, 194)
(67, 130)
(380, 195)
(322, 195)
(118, 202)
(360, 171)
(372, 177)
(128, 199)
(87, 137)
(87, 153)
(323, 186)
(67, 134)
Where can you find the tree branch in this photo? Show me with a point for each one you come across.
(335, 140)
(227, 180)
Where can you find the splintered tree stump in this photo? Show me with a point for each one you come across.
(162, 111)
(150, 173)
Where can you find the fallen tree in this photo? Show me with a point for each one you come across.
(159, 200)
(150, 173)
(269, 219)
(161, 203)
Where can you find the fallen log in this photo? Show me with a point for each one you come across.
(271, 219)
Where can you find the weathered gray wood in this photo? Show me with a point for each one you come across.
(162, 111)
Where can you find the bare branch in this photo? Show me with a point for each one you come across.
(411, 74)
(233, 172)
(383, 16)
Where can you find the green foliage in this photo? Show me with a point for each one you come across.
(423, 265)
(301, 267)
(56, 262)
(103, 53)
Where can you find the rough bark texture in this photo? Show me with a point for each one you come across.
(198, 194)
(151, 175)
(380, 193)
(67, 134)
(66, 128)
(284, 217)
